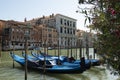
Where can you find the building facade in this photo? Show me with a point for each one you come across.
(50, 30)
(85, 38)
(12, 35)
(66, 28)
(49, 36)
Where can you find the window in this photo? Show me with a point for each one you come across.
(7, 31)
(61, 21)
(28, 44)
(17, 37)
(74, 24)
(48, 21)
(68, 30)
(67, 23)
(65, 30)
(65, 43)
(13, 37)
(61, 29)
(49, 35)
(64, 21)
(73, 31)
(12, 43)
(70, 23)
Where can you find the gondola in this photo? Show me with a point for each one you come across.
(52, 68)
(65, 60)
(88, 62)
(55, 62)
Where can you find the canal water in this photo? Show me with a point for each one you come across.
(7, 72)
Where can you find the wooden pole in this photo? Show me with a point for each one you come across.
(47, 41)
(87, 48)
(76, 52)
(44, 57)
(13, 52)
(58, 52)
(68, 49)
(83, 55)
(95, 51)
(54, 49)
(26, 51)
(27, 36)
(71, 47)
(80, 48)
(0, 46)
(47, 47)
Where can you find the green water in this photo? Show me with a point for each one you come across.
(7, 72)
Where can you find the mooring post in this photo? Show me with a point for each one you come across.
(27, 35)
(87, 48)
(80, 48)
(58, 53)
(95, 51)
(0, 46)
(71, 47)
(13, 52)
(76, 52)
(54, 50)
(68, 49)
(44, 57)
(26, 59)
(47, 47)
